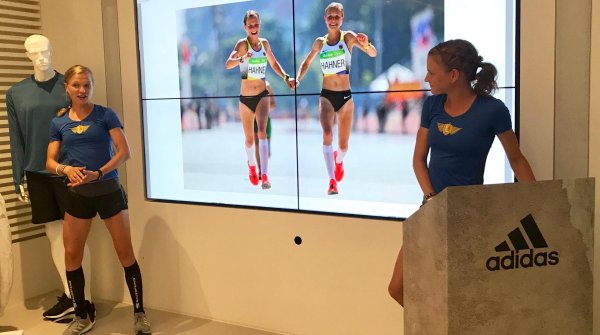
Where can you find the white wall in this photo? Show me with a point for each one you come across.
(572, 59)
(537, 85)
(75, 31)
(34, 273)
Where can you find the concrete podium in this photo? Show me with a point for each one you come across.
(501, 259)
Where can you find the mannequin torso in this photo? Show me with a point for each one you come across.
(31, 105)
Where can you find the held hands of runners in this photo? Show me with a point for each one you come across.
(22, 196)
(291, 82)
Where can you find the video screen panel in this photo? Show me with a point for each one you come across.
(194, 129)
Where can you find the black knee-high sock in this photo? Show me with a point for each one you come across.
(76, 281)
(133, 277)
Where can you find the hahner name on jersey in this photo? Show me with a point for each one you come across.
(257, 70)
(333, 64)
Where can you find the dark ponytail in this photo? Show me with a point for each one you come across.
(463, 56)
(485, 80)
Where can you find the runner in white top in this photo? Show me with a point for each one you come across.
(251, 54)
(334, 51)
(336, 58)
(255, 67)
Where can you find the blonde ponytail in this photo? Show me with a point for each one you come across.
(63, 111)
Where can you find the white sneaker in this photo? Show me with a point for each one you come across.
(141, 326)
(81, 326)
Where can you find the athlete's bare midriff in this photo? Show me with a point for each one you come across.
(252, 87)
(338, 82)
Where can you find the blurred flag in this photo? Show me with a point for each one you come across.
(423, 39)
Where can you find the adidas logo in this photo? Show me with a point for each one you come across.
(528, 258)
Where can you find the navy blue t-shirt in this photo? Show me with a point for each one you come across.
(460, 145)
(87, 142)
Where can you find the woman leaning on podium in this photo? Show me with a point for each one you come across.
(458, 125)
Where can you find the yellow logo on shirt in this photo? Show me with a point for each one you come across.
(80, 129)
(447, 128)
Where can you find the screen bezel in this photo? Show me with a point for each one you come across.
(516, 114)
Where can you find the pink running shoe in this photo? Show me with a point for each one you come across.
(332, 187)
(266, 184)
(252, 175)
(339, 168)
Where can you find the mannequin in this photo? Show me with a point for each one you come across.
(31, 105)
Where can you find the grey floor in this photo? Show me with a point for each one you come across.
(113, 319)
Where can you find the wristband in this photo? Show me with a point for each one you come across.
(100, 174)
(286, 77)
(60, 169)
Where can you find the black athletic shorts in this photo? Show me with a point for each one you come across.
(48, 195)
(251, 101)
(337, 98)
(107, 205)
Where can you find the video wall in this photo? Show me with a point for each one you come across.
(195, 138)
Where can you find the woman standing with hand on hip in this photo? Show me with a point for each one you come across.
(335, 53)
(251, 54)
(92, 138)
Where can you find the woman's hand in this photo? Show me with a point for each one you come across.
(291, 83)
(362, 39)
(79, 175)
(75, 173)
(243, 58)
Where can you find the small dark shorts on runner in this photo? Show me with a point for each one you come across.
(337, 98)
(251, 101)
(48, 195)
(106, 205)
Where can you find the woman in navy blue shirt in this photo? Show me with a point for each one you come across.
(458, 125)
(92, 139)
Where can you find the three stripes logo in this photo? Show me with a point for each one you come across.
(528, 257)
